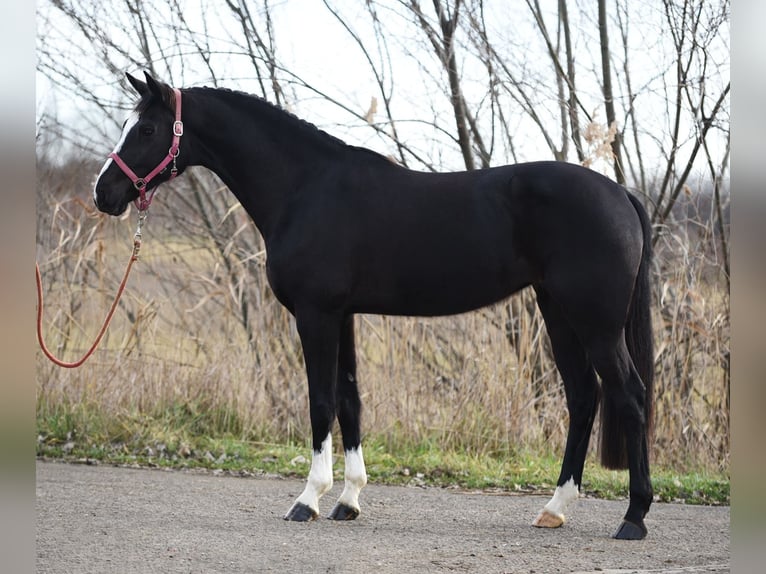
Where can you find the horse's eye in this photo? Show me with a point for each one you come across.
(147, 130)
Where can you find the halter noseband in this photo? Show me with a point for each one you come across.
(143, 202)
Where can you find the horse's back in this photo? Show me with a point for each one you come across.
(481, 236)
(388, 240)
(435, 244)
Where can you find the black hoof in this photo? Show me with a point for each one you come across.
(343, 512)
(631, 531)
(301, 513)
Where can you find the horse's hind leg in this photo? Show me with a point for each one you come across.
(596, 322)
(349, 410)
(624, 388)
(582, 394)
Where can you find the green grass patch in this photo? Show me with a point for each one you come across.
(182, 438)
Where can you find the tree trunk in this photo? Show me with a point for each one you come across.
(608, 97)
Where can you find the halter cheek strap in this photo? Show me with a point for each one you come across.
(143, 202)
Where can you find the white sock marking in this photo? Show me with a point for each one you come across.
(563, 497)
(320, 476)
(129, 123)
(355, 478)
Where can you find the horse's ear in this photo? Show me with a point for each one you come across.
(137, 84)
(154, 86)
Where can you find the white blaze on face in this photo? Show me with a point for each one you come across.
(355, 478)
(563, 497)
(320, 476)
(129, 123)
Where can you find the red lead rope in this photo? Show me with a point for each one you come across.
(56, 360)
(142, 203)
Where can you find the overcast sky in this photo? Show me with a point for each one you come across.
(312, 44)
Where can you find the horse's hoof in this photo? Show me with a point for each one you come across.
(301, 513)
(631, 531)
(343, 512)
(546, 519)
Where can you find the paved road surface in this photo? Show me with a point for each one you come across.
(103, 519)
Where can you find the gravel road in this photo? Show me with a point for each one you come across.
(103, 519)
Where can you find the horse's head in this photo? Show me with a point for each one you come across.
(150, 138)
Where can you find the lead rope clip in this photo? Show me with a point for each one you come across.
(137, 235)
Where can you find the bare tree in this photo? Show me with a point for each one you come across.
(570, 81)
(606, 73)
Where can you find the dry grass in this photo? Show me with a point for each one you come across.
(199, 330)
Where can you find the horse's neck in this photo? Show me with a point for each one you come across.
(262, 169)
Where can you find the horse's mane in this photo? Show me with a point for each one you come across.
(272, 112)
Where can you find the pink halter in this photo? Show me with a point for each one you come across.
(143, 202)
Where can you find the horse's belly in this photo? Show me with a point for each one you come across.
(440, 290)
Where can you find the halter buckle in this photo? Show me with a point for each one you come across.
(140, 184)
(178, 128)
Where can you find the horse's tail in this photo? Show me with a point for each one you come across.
(638, 336)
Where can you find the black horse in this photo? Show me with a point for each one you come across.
(348, 231)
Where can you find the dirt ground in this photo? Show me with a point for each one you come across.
(103, 519)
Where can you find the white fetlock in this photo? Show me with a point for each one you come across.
(320, 478)
(355, 477)
(553, 514)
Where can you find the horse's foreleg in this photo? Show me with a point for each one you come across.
(349, 410)
(582, 394)
(319, 335)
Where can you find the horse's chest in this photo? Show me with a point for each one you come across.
(308, 276)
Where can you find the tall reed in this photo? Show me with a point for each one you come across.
(200, 337)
